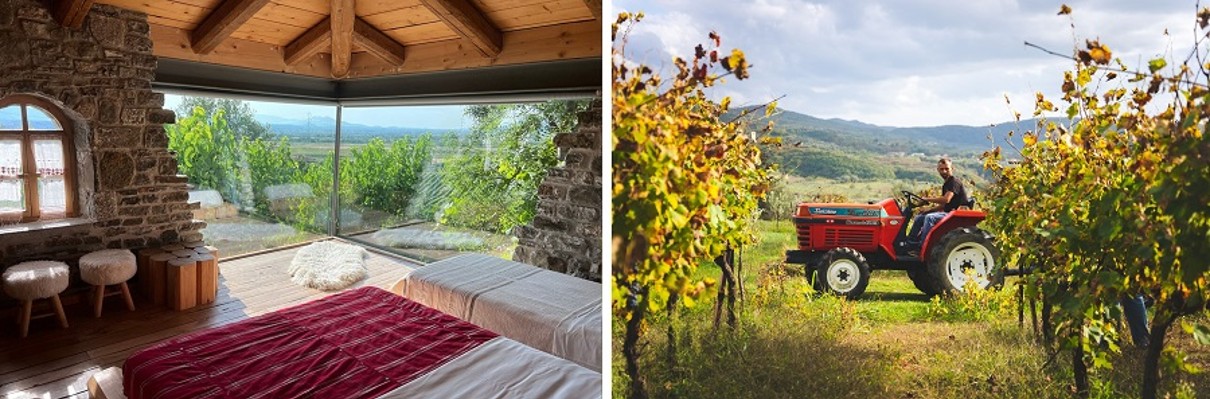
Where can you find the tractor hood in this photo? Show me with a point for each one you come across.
(817, 209)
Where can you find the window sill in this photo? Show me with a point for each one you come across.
(43, 225)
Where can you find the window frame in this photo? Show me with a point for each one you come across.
(29, 176)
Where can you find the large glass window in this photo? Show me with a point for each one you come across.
(37, 163)
(427, 182)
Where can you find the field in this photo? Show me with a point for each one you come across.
(315, 152)
(892, 343)
(858, 191)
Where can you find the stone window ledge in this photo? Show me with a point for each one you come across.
(43, 225)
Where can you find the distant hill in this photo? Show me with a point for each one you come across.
(848, 136)
(853, 151)
(321, 127)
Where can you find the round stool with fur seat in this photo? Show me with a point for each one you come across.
(108, 267)
(41, 279)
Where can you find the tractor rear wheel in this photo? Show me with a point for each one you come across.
(923, 281)
(844, 272)
(964, 255)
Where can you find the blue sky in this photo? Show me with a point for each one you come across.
(427, 117)
(904, 63)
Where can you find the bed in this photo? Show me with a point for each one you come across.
(363, 343)
(550, 311)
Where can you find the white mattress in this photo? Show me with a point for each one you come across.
(503, 368)
(550, 311)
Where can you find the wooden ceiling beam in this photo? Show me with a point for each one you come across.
(309, 43)
(595, 7)
(377, 43)
(468, 22)
(342, 17)
(222, 22)
(71, 13)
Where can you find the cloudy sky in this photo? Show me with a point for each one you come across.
(904, 63)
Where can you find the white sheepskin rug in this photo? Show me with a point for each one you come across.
(328, 266)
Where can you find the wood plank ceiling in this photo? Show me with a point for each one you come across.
(363, 38)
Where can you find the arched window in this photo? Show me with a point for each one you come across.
(37, 161)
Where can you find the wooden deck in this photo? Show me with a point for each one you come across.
(56, 363)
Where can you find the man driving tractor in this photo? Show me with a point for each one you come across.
(944, 249)
(953, 195)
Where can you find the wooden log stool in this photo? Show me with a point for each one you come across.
(157, 276)
(28, 281)
(108, 267)
(207, 277)
(182, 283)
(143, 276)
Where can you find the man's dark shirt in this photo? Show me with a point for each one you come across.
(960, 198)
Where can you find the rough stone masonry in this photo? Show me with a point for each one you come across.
(100, 74)
(565, 235)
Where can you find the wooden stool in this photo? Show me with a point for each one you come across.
(28, 281)
(108, 267)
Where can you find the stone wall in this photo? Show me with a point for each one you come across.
(565, 235)
(100, 74)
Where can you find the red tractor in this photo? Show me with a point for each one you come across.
(841, 243)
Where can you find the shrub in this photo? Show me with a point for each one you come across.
(384, 178)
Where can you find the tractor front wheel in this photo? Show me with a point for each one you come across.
(966, 255)
(844, 272)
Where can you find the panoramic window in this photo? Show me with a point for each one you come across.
(426, 182)
(37, 165)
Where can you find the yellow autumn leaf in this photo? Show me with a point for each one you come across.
(1099, 52)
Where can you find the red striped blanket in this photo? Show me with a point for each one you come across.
(361, 343)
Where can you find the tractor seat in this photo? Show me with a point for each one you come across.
(969, 204)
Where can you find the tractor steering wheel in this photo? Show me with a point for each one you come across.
(914, 200)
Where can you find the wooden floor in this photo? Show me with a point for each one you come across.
(56, 363)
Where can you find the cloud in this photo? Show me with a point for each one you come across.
(929, 62)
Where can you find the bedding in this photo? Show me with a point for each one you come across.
(363, 343)
(553, 312)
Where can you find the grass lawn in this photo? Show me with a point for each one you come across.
(892, 343)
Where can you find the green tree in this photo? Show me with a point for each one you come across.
(493, 177)
(269, 163)
(237, 114)
(204, 144)
(1114, 205)
(685, 185)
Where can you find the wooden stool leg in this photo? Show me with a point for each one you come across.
(126, 294)
(99, 296)
(59, 310)
(27, 307)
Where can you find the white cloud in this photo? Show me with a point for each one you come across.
(930, 62)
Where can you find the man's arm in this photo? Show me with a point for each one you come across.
(943, 199)
(940, 201)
